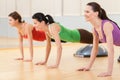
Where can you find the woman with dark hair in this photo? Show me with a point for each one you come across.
(119, 59)
(26, 31)
(105, 30)
(59, 32)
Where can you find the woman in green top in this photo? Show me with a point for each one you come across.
(58, 32)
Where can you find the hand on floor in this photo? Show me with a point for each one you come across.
(83, 69)
(53, 66)
(29, 60)
(40, 63)
(105, 74)
(19, 59)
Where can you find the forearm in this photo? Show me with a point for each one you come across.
(59, 54)
(21, 49)
(93, 52)
(31, 49)
(110, 59)
(93, 56)
(110, 63)
(48, 48)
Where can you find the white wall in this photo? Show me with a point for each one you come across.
(71, 7)
(2, 8)
(24, 7)
(10, 6)
(54, 7)
(6, 6)
(110, 6)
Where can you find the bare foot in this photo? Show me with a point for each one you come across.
(19, 59)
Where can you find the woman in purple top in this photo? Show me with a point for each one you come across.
(105, 30)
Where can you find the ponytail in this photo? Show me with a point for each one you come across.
(41, 17)
(50, 19)
(101, 12)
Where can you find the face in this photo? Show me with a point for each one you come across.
(38, 24)
(12, 22)
(89, 13)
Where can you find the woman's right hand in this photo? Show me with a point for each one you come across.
(41, 63)
(19, 59)
(84, 69)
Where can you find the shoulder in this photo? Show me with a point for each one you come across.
(54, 27)
(108, 25)
(54, 24)
(29, 26)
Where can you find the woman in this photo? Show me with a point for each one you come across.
(26, 31)
(105, 30)
(59, 32)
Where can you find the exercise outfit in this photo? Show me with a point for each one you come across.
(37, 35)
(115, 33)
(75, 35)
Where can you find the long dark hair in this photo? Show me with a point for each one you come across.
(41, 17)
(16, 16)
(101, 12)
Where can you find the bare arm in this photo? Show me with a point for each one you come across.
(30, 39)
(110, 48)
(48, 48)
(93, 52)
(94, 49)
(21, 47)
(55, 33)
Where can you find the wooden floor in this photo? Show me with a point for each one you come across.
(11, 69)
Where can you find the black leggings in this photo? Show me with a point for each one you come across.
(60, 40)
(85, 36)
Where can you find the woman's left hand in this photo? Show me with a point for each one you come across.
(53, 66)
(105, 74)
(29, 60)
(83, 69)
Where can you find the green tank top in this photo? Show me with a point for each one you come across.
(69, 35)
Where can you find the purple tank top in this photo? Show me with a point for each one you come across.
(115, 32)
